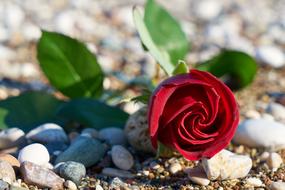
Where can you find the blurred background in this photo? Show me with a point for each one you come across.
(106, 26)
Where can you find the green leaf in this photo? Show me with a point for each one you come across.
(70, 66)
(165, 31)
(236, 68)
(181, 68)
(163, 151)
(92, 113)
(144, 98)
(160, 55)
(161, 35)
(28, 110)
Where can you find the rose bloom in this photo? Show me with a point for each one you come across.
(194, 113)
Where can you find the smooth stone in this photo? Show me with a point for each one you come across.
(73, 171)
(118, 183)
(91, 131)
(276, 110)
(264, 156)
(85, 150)
(55, 146)
(254, 182)
(99, 187)
(70, 185)
(113, 136)
(277, 186)
(261, 133)
(12, 137)
(270, 55)
(34, 174)
(7, 171)
(208, 9)
(12, 187)
(175, 167)
(10, 159)
(274, 161)
(35, 153)
(136, 131)
(112, 172)
(198, 176)
(121, 157)
(4, 185)
(227, 165)
(47, 133)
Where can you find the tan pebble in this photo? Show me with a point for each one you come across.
(70, 185)
(253, 181)
(274, 161)
(175, 167)
(10, 159)
(277, 186)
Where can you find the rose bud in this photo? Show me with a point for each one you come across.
(194, 113)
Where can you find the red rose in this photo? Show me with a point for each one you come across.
(194, 113)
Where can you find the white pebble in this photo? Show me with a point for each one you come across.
(276, 110)
(271, 55)
(264, 156)
(261, 133)
(274, 161)
(227, 165)
(99, 187)
(253, 181)
(277, 186)
(35, 153)
(70, 185)
(175, 167)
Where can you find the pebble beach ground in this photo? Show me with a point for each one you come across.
(257, 153)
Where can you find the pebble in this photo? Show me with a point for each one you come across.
(277, 186)
(252, 114)
(84, 150)
(175, 167)
(113, 136)
(70, 185)
(274, 161)
(254, 182)
(112, 172)
(264, 156)
(208, 9)
(136, 131)
(12, 187)
(118, 183)
(276, 110)
(47, 133)
(198, 176)
(43, 178)
(121, 157)
(35, 153)
(270, 55)
(99, 187)
(261, 133)
(73, 171)
(227, 165)
(12, 137)
(10, 159)
(4, 185)
(91, 131)
(7, 171)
